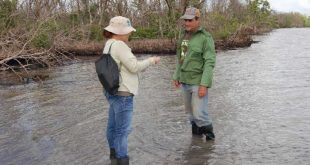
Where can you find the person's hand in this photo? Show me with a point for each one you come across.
(176, 83)
(156, 59)
(202, 91)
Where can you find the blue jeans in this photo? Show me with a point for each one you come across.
(194, 105)
(119, 123)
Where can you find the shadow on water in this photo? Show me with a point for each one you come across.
(259, 105)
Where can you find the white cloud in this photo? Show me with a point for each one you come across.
(302, 6)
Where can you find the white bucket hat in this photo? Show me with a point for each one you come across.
(120, 25)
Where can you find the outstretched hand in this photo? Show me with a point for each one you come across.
(156, 59)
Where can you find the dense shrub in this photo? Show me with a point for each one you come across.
(145, 33)
(41, 41)
(221, 26)
(96, 33)
(287, 20)
(7, 8)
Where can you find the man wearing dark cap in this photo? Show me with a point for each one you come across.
(194, 71)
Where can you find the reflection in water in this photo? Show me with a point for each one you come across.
(199, 152)
(259, 105)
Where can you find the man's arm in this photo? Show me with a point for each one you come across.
(209, 63)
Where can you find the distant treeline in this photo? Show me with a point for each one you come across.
(41, 29)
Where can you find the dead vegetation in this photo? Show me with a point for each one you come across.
(48, 33)
(18, 55)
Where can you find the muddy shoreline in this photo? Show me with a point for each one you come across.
(151, 46)
(242, 38)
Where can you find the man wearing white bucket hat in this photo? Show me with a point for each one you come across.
(121, 104)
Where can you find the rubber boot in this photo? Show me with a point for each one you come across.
(208, 131)
(195, 129)
(112, 153)
(113, 156)
(122, 161)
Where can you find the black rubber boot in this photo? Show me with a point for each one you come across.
(112, 153)
(208, 131)
(195, 129)
(122, 161)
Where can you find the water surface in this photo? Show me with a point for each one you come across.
(259, 104)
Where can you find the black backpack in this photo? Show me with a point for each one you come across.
(108, 72)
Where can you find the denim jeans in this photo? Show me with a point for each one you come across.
(194, 105)
(119, 123)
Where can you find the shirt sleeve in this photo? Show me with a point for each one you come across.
(129, 60)
(209, 63)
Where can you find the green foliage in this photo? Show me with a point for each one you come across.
(156, 22)
(259, 7)
(259, 12)
(222, 26)
(193, 3)
(74, 19)
(170, 33)
(50, 26)
(221, 34)
(145, 33)
(96, 33)
(287, 20)
(7, 7)
(45, 36)
(307, 21)
(41, 40)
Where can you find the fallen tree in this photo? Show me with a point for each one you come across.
(18, 55)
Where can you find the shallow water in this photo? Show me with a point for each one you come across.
(259, 104)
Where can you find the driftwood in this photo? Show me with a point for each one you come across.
(18, 56)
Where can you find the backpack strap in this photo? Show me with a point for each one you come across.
(110, 47)
(109, 52)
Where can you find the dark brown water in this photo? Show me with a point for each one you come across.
(260, 106)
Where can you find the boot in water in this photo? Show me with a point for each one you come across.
(122, 161)
(208, 131)
(112, 153)
(196, 130)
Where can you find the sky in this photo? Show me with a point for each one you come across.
(301, 6)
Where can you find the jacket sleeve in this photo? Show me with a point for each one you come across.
(127, 58)
(209, 62)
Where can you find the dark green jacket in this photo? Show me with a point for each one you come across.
(197, 68)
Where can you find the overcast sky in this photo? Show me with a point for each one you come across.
(302, 6)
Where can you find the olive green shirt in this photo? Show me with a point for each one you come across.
(196, 62)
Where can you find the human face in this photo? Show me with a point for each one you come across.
(191, 25)
(123, 37)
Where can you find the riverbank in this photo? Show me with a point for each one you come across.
(65, 51)
(148, 46)
(242, 38)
